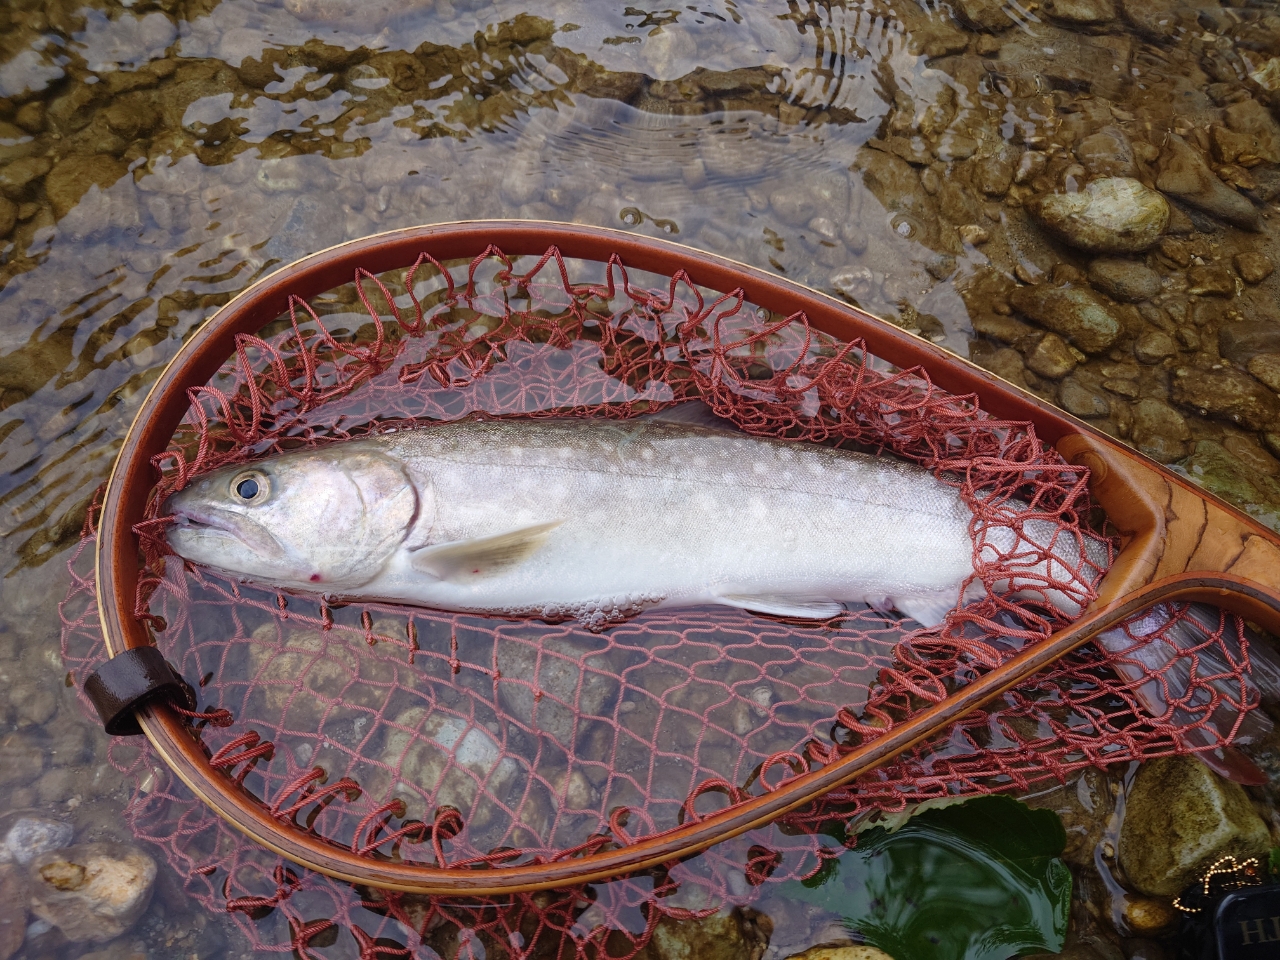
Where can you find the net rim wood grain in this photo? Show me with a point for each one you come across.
(1181, 543)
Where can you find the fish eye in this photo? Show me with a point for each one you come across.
(250, 487)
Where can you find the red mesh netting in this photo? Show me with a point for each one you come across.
(459, 740)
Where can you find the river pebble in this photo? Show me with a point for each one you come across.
(1128, 280)
(847, 952)
(93, 892)
(1152, 346)
(1084, 12)
(1225, 393)
(1185, 174)
(1052, 357)
(1211, 280)
(1077, 313)
(1253, 266)
(13, 909)
(984, 14)
(1180, 817)
(1111, 215)
(29, 837)
(1107, 153)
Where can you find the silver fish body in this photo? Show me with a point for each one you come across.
(589, 519)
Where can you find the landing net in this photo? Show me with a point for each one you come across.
(466, 742)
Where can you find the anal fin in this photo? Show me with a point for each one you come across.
(462, 560)
(802, 608)
(929, 609)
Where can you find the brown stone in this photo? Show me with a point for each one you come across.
(1076, 313)
(1241, 342)
(13, 909)
(1159, 431)
(1107, 153)
(1211, 280)
(1130, 281)
(1176, 250)
(1001, 327)
(1081, 400)
(31, 117)
(983, 14)
(1266, 367)
(94, 891)
(1179, 818)
(1006, 363)
(1154, 346)
(1228, 394)
(15, 177)
(1253, 267)
(1082, 11)
(1051, 357)
(72, 177)
(1251, 119)
(1185, 175)
(1149, 917)
(8, 216)
(848, 952)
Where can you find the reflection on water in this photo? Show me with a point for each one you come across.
(158, 155)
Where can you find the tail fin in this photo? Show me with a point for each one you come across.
(1180, 659)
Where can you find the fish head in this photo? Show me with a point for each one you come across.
(325, 520)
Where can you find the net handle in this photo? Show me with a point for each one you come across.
(197, 361)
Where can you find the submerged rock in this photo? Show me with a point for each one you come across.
(1052, 358)
(1211, 280)
(1112, 215)
(1154, 346)
(1250, 119)
(13, 909)
(847, 952)
(1185, 174)
(1228, 394)
(1266, 367)
(92, 892)
(1082, 400)
(1238, 476)
(31, 836)
(1127, 280)
(72, 178)
(1179, 818)
(1241, 342)
(1082, 11)
(1076, 313)
(983, 14)
(1107, 153)
(1159, 431)
(1253, 267)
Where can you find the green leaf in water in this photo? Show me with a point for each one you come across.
(977, 881)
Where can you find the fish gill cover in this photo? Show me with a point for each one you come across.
(466, 741)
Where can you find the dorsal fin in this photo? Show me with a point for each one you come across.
(693, 413)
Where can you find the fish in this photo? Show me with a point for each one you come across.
(1151, 653)
(596, 520)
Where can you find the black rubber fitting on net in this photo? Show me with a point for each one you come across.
(131, 680)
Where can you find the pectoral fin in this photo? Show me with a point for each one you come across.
(802, 608)
(462, 560)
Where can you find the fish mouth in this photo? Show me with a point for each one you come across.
(194, 524)
(184, 518)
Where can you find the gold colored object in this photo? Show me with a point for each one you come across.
(1246, 874)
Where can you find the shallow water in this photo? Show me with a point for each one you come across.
(155, 158)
